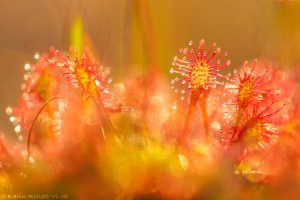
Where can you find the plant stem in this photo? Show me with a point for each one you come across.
(105, 119)
(194, 98)
(34, 121)
(187, 121)
(203, 109)
(237, 122)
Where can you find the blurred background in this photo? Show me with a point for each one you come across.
(135, 36)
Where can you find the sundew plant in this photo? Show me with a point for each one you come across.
(204, 127)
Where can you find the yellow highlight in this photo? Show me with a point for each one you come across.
(45, 85)
(200, 75)
(245, 91)
(132, 163)
(85, 81)
(5, 182)
(76, 37)
(253, 132)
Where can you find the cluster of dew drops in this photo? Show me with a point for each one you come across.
(183, 69)
(16, 121)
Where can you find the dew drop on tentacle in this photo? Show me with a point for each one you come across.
(12, 119)
(8, 110)
(31, 160)
(174, 106)
(27, 67)
(97, 82)
(25, 77)
(37, 55)
(25, 96)
(18, 128)
(106, 91)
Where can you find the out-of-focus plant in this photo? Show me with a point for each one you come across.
(77, 134)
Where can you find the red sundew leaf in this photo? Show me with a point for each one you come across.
(44, 80)
(39, 84)
(247, 86)
(86, 73)
(254, 111)
(257, 129)
(197, 69)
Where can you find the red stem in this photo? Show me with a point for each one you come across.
(187, 121)
(204, 116)
(194, 98)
